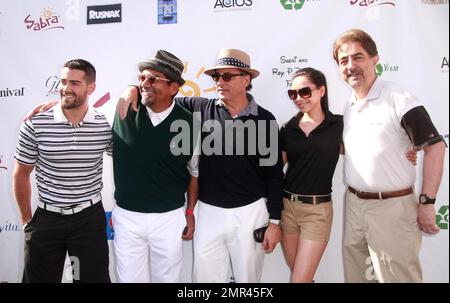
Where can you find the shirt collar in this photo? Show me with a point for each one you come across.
(329, 118)
(251, 109)
(162, 114)
(374, 92)
(60, 117)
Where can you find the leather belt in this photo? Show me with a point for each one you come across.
(307, 199)
(71, 209)
(381, 195)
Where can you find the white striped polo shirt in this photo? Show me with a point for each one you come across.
(68, 159)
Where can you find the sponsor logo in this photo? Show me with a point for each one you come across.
(434, 2)
(292, 4)
(48, 20)
(12, 92)
(371, 2)
(382, 68)
(287, 66)
(8, 227)
(191, 88)
(442, 217)
(99, 14)
(224, 5)
(167, 11)
(109, 226)
(51, 84)
(444, 65)
(2, 165)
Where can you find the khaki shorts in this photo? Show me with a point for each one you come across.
(311, 222)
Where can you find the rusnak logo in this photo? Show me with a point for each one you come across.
(222, 5)
(434, 2)
(167, 11)
(99, 14)
(371, 2)
(442, 217)
(12, 92)
(381, 68)
(48, 20)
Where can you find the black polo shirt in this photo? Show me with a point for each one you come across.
(231, 181)
(312, 160)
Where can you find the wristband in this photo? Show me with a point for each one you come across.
(189, 212)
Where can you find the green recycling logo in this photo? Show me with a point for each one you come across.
(292, 4)
(379, 69)
(442, 217)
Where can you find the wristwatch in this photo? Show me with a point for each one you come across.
(424, 199)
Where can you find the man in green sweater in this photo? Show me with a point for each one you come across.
(151, 177)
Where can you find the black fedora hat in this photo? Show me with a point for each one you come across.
(166, 63)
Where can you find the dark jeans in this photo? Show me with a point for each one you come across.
(49, 236)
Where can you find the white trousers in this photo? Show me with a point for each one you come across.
(226, 234)
(143, 238)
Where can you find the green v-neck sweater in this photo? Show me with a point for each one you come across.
(148, 177)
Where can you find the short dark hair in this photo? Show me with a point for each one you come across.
(83, 65)
(319, 80)
(355, 35)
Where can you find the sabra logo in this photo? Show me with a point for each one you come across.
(225, 4)
(442, 217)
(48, 20)
(384, 67)
(292, 4)
(192, 89)
(371, 2)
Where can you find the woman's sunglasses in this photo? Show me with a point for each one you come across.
(304, 93)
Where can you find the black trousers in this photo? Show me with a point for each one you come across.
(49, 236)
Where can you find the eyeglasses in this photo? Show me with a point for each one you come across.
(152, 79)
(226, 76)
(304, 93)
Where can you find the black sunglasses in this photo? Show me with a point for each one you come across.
(152, 79)
(226, 76)
(304, 92)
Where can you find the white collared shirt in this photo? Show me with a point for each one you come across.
(375, 142)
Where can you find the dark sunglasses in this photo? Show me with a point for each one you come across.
(226, 76)
(152, 79)
(304, 92)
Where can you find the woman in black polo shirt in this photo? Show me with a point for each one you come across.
(310, 144)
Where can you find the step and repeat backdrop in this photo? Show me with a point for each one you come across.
(38, 37)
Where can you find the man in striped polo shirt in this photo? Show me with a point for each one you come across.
(65, 145)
